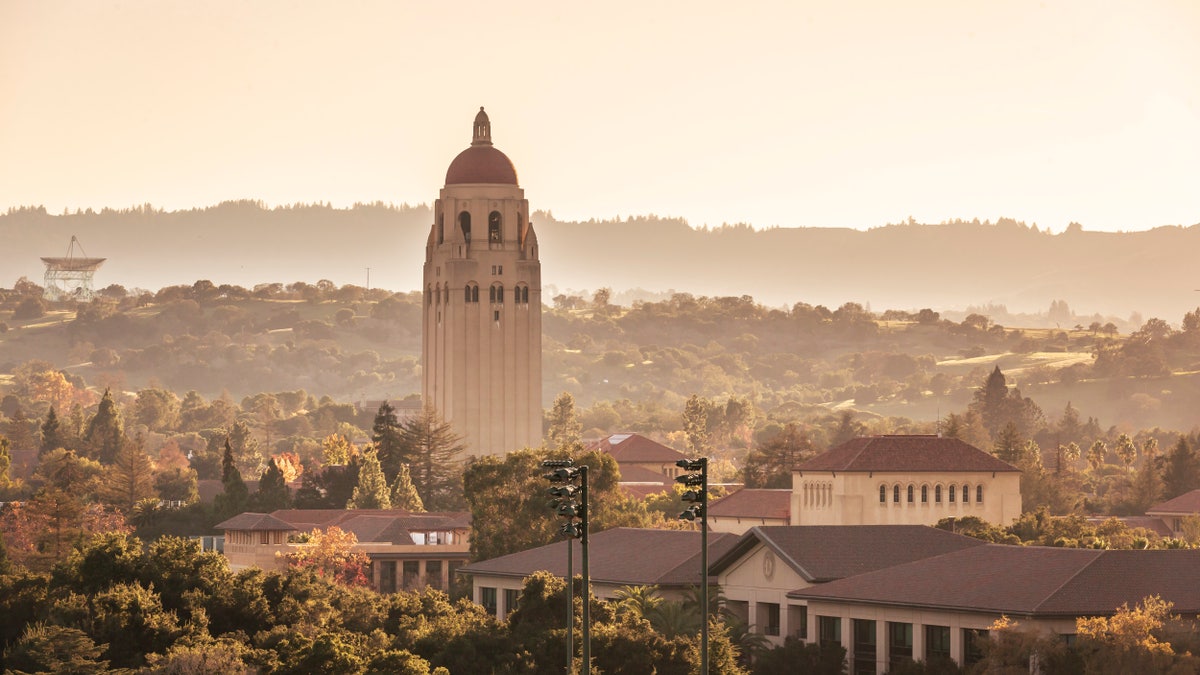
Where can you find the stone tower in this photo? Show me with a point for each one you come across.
(481, 347)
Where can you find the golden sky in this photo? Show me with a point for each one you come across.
(848, 114)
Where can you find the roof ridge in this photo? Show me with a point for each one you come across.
(1070, 578)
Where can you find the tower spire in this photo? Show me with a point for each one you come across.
(483, 129)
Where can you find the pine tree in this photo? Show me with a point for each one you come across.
(51, 433)
(386, 435)
(1181, 470)
(404, 493)
(273, 492)
(372, 490)
(695, 425)
(565, 432)
(436, 470)
(130, 478)
(234, 496)
(1008, 446)
(5, 464)
(104, 433)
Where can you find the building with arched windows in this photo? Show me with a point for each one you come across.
(904, 480)
(482, 324)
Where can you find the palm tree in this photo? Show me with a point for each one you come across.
(642, 601)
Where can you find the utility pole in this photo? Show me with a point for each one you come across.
(697, 496)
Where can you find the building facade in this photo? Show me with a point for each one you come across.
(481, 347)
(904, 480)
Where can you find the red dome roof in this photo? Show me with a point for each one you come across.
(481, 163)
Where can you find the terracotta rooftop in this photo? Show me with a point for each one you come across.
(753, 503)
(905, 453)
(821, 553)
(1027, 581)
(374, 525)
(256, 522)
(624, 556)
(1185, 504)
(635, 448)
(481, 162)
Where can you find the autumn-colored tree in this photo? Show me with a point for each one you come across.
(5, 463)
(331, 553)
(1129, 641)
(336, 450)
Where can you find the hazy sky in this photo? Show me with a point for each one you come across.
(791, 113)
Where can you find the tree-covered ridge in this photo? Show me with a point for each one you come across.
(906, 265)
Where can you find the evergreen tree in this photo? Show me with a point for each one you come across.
(371, 492)
(564, 432)
(104, 433)
(404, 493)
(1181, 470)
(436, 468)
(386, 434)
(770, 464)
(245, 449)
(1008, 446)
(1097, 454)
(273, 492)
(695, 425)
(130, 478)
(235, 495)
(51, 433)
(5, 463)
(991, 401)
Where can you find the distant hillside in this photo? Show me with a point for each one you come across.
(945, 267)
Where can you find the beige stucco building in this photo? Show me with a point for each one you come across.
(904, 480)
(482, 323)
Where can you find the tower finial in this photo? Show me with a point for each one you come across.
(483, 129)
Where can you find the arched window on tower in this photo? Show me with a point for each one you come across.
(437, 294)
(446, 294)
(520, 229)
(471, 293)
(429, 296)
(496, 294)
(464, 224)
(494, 220)
(441, 228)
(521, 295)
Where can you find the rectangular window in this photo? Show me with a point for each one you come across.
(937, 643)
(900, 644)
(433, 574)
(511, 597)
(973, 646)
(487, 598)
(798, 621)
(412, 574)
(864, 649)
(767, 617)
(829, 630)
(264, 537)
(387, 576)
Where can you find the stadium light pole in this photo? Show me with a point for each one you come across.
(570, 502)
(696, 480)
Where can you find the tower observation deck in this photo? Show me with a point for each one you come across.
(70, 278)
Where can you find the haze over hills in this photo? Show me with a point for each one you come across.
(908, 266)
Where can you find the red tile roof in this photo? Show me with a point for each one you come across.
(905, 453)
(821, 553)
(635, 448)
(1187, 503)
(374, 525)
(753, 503)
(1027, 581)
(621, 556)
(256, 522)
